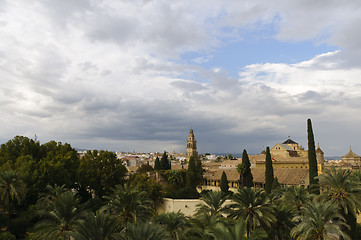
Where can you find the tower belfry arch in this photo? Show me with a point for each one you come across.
(191, 145)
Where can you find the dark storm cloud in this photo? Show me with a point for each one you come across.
(103, 72)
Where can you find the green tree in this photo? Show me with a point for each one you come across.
(342, 189)
(199, 170)
(282, 226)
(295, 197)
(312, 160)
(253, 206)
(224, 183)
(17, 147)
(45, 202)
(212, 203)
(275, 183)
(100, 172)
(145, 168)
(58, 166)
(144, 231)
(236, 232)
(152, 188)
(269, 172)
(247, 174)
(174, 222)
(61, 220)
(40, 165)
(157, 164)
(129, 204)
(194, 174)
(202, 227)
(12, 189)
(175, 179)
(241, 169)
(99, 226)
(319, 221)
(164, 162)
(7, 236)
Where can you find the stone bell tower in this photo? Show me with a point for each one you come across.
(191, 145)
(320, 160)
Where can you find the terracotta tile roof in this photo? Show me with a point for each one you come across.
(280, 159)
(287, 176)
(179, 167)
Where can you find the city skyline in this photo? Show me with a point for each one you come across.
(137, 75)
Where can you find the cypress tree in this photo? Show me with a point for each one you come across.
(269, 171)
(164, 162)
(312, 160)
(198, 171)
(275, 184)
(224, 183)
(191, 173)
(241, 169)
(156, 164)
(247, 175)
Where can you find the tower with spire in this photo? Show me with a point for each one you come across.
(191, 145)
(320, 159)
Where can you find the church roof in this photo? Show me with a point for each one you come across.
(350, 154)
(285, 146)
(318, 150)
(289, 141)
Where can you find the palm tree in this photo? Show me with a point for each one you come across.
(295, 197)
(129, 204)
(342, 188)
(99, 226)
(12, 188)
(62, 218)
(281, 227)
(174, 222)
(202, 227)
(144, 231)
(46, 199)
(318, 222)
(236, 232)
(213, 202)
(253, 206)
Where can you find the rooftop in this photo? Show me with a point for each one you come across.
(289, 141)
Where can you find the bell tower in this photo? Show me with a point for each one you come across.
(191, 145)
(320, 160)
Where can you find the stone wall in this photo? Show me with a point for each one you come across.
(185, 206)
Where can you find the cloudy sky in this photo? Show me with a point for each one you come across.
(136, 75)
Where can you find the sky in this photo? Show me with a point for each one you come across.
(136, 75)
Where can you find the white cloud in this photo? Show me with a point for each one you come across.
(102, 73)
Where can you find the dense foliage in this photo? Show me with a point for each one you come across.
(96, 206)
(164, 162)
